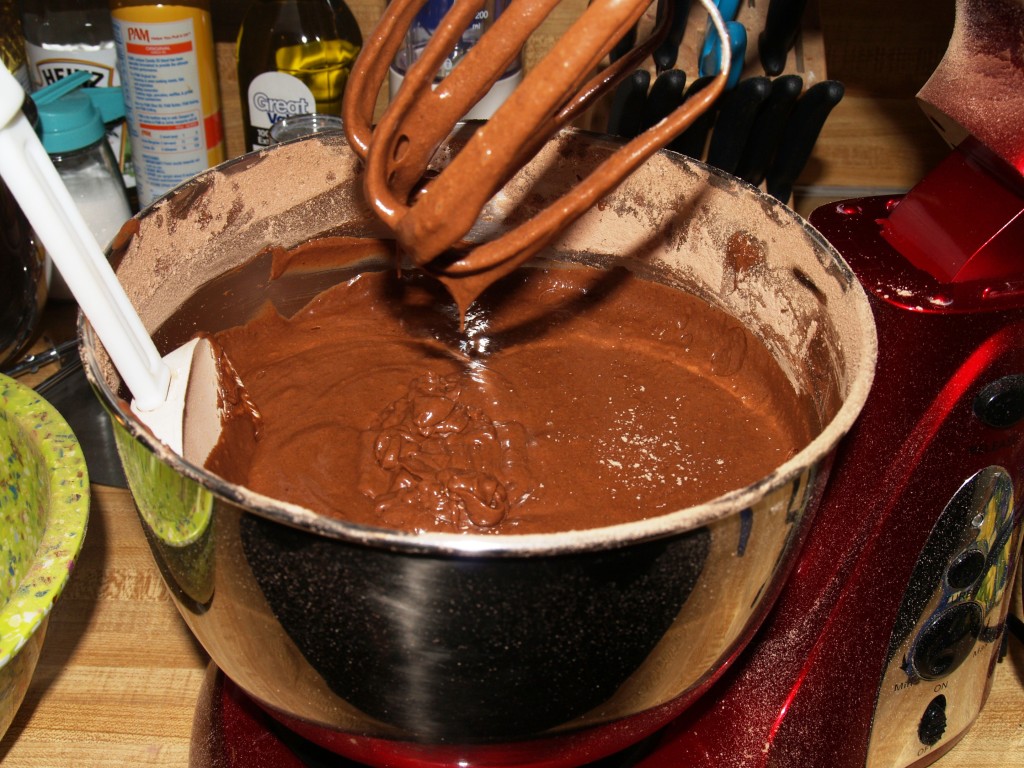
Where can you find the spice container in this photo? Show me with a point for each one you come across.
(67, 36)
(72, 124)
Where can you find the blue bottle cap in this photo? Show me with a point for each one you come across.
(72, 117)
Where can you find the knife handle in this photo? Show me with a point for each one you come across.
(627, 108)
(801, 132)
(781, 25)
(691, 141)
(665, 55)
(767, 130)
(665, 97)
(624, 46)
(736, 114)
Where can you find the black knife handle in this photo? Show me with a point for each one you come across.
(624, 46)
(736, 113)
(625, 117)
(766, 132)
(801, 132)
(665, 97)
(665, 55)
(781, 25)
(691, 142)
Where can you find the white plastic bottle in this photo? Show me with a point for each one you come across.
(168, 66)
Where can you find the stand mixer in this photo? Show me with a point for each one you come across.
(881, 645)
(881, 649)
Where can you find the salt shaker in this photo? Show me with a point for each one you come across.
(72, 126)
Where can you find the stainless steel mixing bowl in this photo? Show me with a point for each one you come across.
(439, 649)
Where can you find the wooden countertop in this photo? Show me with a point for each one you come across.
(120, 673)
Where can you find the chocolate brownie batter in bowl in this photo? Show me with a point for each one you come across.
(530, 535)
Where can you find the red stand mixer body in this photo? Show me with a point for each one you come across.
(881, 648)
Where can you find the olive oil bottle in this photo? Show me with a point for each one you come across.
(294, 57)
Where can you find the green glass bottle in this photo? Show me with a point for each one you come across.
(294, 57)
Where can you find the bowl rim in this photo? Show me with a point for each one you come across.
(61, 454)
(560, 542)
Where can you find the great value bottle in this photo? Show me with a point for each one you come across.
(169, 73)
(294, 58)
(67, 36)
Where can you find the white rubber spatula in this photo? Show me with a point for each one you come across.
(158, 386)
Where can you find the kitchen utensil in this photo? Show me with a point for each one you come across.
(737, 111)
(769, 124)
(693, 141)
(736, 44)
(667, 52)
(158, 385)
(627, 107)
(707, 59)
(429, 649)
(398, 149)
(799, 136)
(59, 353)
(666, 94)
(781, 27)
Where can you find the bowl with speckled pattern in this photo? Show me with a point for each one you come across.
(44, 511)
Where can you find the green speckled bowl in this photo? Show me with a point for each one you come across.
(44, 509)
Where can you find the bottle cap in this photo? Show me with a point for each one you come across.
(72, 117)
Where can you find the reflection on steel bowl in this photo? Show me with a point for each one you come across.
(23, 282)
(429, 649)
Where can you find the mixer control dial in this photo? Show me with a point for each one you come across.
(933, 722)
(947, 641)
(945, 634)
(1001, 404)
(966, 569)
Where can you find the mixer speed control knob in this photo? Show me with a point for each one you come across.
(947, 641)
(1001, 403)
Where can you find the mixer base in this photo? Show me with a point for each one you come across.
(230, 731)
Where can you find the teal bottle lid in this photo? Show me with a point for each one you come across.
(72, 117)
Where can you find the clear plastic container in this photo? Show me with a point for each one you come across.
(419, 34)
(71, 124)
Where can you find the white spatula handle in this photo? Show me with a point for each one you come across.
(29, 173)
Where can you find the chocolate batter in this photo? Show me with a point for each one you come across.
(573, 398)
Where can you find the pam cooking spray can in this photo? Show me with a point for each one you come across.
(169, 72)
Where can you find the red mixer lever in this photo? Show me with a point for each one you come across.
(964, 222)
